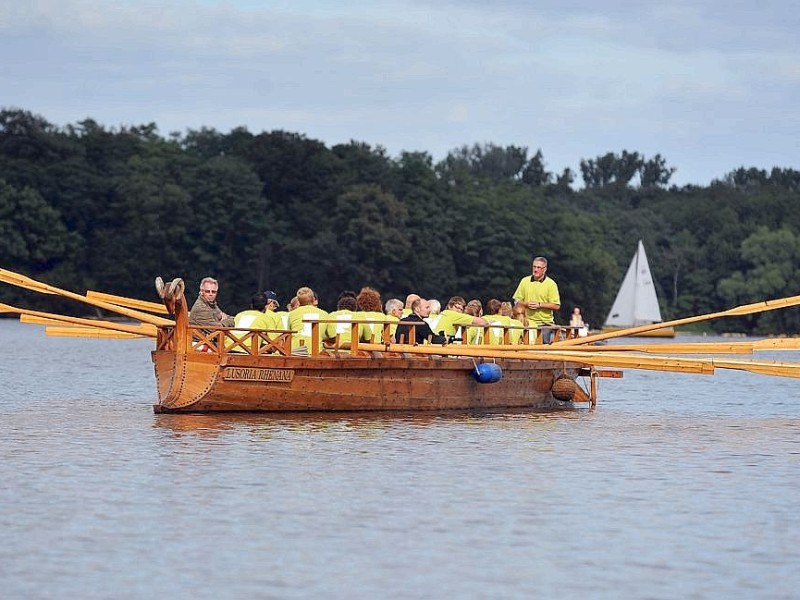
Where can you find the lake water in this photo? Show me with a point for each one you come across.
(676, 486)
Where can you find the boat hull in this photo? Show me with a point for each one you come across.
(203, 382)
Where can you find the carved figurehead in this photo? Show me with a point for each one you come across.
(172, 294)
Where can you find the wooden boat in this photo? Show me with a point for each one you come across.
(201, 369)
(636, 302)
(222, 369)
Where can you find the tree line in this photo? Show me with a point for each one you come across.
(90, 207)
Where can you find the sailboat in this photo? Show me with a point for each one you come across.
(636, 302)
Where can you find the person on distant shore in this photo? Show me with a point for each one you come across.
(420, 308)
(205, 311)
(576, 320)
(539, 294)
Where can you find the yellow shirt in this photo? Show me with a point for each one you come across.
(302, 331)
(546, 291)
(343, 329)
(450, 321)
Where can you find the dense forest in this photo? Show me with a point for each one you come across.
(90, 207)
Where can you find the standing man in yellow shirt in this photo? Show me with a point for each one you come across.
(539, 295)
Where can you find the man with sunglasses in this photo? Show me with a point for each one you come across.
(205, 311)
(539, 295)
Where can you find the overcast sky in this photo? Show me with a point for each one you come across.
(710, 85)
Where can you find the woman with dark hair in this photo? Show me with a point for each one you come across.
(341, 332)
(369, 307)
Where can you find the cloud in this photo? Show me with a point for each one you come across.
(576, 79)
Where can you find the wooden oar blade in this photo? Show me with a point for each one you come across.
(32, 284)
(777, 344)
(680, 365)
(34, 320)
(764, 306)
(669, 348)
(146, 305)
(774, 368)
(88, 332)
(642, 362)
(66, 322)
(140, 329)
(21, 281)
(746, 309)
(6, 308)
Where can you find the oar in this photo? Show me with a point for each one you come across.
(650, 363)
(38, 286)
(777, 344)
(781, 369)
(144, 329)
(624, 361)
(128, 302)
(745, 309)
(33, 320)
(87, 332)
(61, 328)
(681, 348)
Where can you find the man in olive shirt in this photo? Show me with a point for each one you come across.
(539, 295)
(205, 310)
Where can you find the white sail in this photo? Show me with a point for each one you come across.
(636, 302)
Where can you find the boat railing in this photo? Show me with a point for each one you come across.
(560, 332)
(336, 343)
(224, 340)
(255, 342)
(260, 342)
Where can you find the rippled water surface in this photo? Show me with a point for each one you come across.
(676, 486)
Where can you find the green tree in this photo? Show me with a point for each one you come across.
(430, 269)
(369, 228)
(611, 170)
(654, 172)
(771, 258)
(490, 163)
(144, 231)
(32, 236)
(228, 229)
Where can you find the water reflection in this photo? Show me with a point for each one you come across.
(675, 486)
(214, 425)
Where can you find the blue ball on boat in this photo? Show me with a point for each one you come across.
(487, 373)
